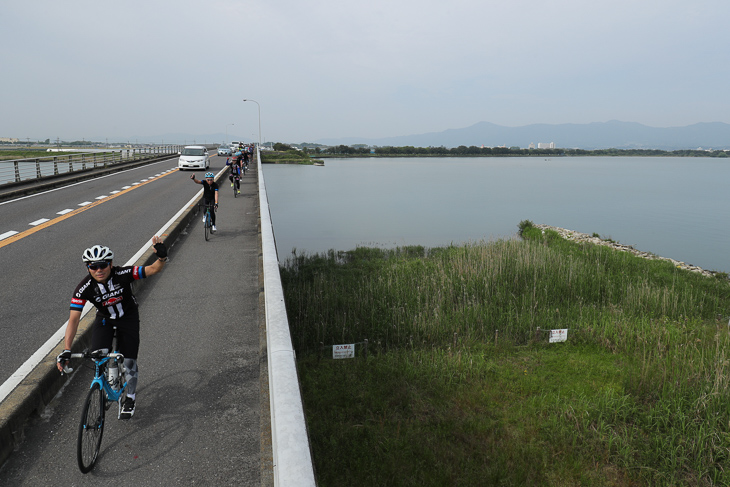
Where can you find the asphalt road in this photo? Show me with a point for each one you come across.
(198, 415)
(40, 270)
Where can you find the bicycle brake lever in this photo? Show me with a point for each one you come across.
(67, 370)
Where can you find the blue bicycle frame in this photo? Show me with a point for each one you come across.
(101, 378)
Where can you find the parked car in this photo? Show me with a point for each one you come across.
(224, 150)
(194, 157)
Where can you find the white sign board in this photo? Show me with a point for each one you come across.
(558, 335)
(343, 351)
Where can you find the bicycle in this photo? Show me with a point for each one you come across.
(207, 221)
(107, 387)
(235, 183)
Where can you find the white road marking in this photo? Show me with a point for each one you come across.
(7, 234)
(38, 222)
(63, 212)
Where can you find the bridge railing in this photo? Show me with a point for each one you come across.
(56, 163)
(289, 440)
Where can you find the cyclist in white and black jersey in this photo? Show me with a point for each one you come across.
(109, 289)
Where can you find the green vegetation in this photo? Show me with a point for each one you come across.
(11, 154)
(460, 387)
(474, 151)
(284, 154)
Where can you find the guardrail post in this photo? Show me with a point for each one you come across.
(55, 165)
(17, 171)
(83, 162)
(38, 168)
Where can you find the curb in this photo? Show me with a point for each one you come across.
(37, 390)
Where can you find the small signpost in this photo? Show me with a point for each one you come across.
(343, 351)
(558, 335)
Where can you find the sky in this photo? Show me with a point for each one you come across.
(328, 69)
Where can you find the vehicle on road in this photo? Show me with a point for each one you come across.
(194, 157)
(224, 150)
(234, 145)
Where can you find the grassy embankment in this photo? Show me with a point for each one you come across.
(11, 154)
(287, 157)
(459, 387)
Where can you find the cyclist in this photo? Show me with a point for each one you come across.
(109, 289)
(235, 175)
(210, 194)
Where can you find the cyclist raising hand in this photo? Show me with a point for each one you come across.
(109, 289)
(210, 194)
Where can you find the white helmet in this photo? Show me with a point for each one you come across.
(97, 253)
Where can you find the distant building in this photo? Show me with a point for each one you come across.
(531, 146)
(9, 140)
(545, 145)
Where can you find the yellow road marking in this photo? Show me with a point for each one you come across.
(59, 219)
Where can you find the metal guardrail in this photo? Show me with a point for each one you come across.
(19, 170)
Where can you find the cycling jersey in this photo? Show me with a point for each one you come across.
(113, 299)
(209, 191)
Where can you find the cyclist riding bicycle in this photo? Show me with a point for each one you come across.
(210, 194)
(109, 289)
(235, 174)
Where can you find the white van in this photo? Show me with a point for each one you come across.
(194, 157)
(234, 145)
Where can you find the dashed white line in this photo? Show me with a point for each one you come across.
(63, 212)
(38, 222)
(7, 234)
(85, 203)
(101, 197)
(115, 191)
(126, 187)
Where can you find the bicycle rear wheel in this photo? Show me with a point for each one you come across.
(235, 189)
(91, 429)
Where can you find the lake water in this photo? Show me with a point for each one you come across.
(672, 207)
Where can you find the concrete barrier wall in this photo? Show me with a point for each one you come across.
(290, 442)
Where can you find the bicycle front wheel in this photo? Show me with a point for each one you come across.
(91, 429)
(207, 225)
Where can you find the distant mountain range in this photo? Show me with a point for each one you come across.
(598, 135)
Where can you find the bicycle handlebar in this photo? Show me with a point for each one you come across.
(95, 355)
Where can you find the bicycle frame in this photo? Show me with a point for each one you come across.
(100, 377)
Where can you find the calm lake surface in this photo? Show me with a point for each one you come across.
(672, 207)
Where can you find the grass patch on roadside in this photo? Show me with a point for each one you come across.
(460, 387)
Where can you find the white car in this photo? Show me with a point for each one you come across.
(194, 157)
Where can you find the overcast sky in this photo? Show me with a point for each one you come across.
(339, 68)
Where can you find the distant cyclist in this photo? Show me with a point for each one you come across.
(109, 289)
(235, 175)
(210, 194)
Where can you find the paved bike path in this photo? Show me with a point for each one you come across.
(198, 418)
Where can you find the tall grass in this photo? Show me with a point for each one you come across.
(638, 395)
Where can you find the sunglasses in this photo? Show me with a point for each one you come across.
(98, 265)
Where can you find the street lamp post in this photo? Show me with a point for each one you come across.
(227, 131)
(259, 106)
